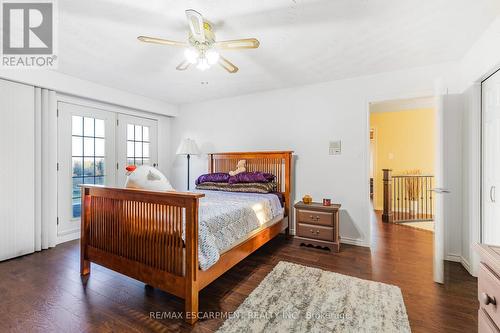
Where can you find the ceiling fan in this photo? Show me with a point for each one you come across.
(202, 49)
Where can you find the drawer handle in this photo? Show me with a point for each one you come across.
(487, 299)
(317, 232)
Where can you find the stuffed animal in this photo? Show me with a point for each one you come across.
(146, 177)
(240, 167)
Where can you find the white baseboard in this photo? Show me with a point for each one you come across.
(458, 258)
(466, 265)
(453, 257)
(68, 236)
(354, 241)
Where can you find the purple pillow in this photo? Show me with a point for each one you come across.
(216, 177)
(251, 177)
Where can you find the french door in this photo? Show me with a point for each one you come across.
(94, 147)
(137, 140)
(86, 155)
(491, 160)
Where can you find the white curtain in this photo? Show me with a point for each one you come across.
(45, 169)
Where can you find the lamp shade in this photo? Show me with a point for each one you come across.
(188, 147)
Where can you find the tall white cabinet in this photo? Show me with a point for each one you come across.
(17, 169)
(491, 160)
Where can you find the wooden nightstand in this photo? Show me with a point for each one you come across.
(318, 225)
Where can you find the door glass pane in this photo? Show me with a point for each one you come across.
(77, 145)
(138, 133)
(99, 128)
(99, 166)
(130, 132)
(130, 149)
(77, 125)
(99, 147)
(88, 156)
(88, 126)
(88, 167)
(88, 146)
(138, 150)
(137, 144)
(77, 166)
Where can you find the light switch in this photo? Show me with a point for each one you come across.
(335, 147)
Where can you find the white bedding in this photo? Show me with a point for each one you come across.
(227, 218)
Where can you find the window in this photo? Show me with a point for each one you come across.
(138, 143)
(88, 156)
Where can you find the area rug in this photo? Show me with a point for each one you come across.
(296, 298)
(425, 225)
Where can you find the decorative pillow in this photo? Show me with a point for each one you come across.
(252, 177)
(216, 177)
(146, 177)
(240, 187)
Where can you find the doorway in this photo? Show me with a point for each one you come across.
(94, 147)
(406, 139)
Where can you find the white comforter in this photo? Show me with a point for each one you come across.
(227, 217)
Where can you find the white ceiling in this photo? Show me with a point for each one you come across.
(302, 41)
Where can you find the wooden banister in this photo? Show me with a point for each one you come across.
(387, 179)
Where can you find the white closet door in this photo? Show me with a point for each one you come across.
(86, 155)
(491, 160)
(17, 178)
(137, 144)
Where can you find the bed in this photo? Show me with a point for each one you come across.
(182, 241)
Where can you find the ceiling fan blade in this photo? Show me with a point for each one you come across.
(183, 65)
(246, 43)
(228, 65)
(195, 21)
(155, 40)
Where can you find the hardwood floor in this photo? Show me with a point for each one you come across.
(44, 292)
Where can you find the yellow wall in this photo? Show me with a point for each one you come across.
(404, 141)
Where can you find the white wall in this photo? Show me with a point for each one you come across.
(483, 57)
(305, 119)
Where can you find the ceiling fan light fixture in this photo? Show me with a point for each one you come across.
(203, 64)
(191, 55)
(212, 57)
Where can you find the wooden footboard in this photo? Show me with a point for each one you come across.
(153, 236)
(140, 234)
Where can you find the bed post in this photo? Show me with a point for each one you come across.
(191, 276)
(288, 184)
(210, 163)
(84, 236)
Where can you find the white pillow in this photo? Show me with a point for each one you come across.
(146, 177)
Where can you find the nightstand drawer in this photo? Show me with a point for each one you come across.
(311, 217)
(315, 232)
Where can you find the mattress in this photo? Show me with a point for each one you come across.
(252, 233)
(227, 219)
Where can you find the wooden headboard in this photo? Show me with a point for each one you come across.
(278, 163)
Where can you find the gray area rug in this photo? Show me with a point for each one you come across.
(296, 298)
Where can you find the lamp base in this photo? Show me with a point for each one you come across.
(188, 158)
